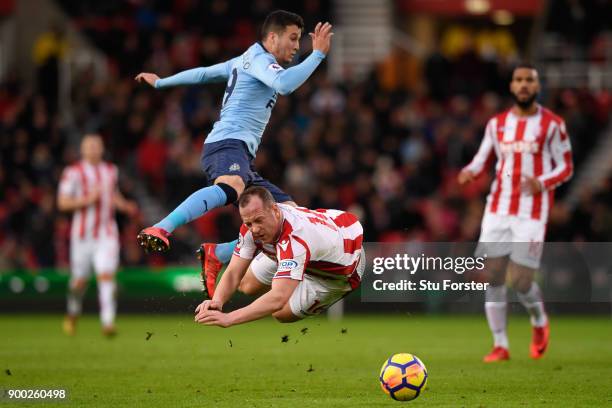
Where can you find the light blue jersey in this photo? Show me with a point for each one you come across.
(254, 81)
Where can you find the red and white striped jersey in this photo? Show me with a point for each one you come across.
(536, 146)
(98, 219)
(323, 243)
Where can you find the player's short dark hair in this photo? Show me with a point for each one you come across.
(256, 191)
(524, 64)
(277, 21)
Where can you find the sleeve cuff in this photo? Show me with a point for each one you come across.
(542, 183)
(319, 54)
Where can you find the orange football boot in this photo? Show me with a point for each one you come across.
(497, 354)
(539, 341)
(211, 266)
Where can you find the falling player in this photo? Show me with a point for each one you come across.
(88, 189)
(299, 261)
(254, 81)
(533, 158)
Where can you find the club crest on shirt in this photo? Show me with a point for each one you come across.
(234, 167)
(283, 245)
(275, 67)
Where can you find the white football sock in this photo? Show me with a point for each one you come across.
(532, 300)
(495, 309)
(108, 303)
(75, 300)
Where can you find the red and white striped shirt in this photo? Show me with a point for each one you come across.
(536, 146)
(96, 220)
(323, 243)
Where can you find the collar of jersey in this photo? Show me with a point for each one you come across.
(264, 47)
(281, 229)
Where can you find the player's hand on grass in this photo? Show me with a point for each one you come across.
(530, 185)
(465, 176)
(214, 318)
(206, 306)
(321, 38)
(147, 77)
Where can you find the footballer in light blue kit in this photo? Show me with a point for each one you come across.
(254, 81)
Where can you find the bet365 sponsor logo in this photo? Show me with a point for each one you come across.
(519, 147)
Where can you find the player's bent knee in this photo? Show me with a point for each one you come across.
(494, 278)
(521, 277)
(106, 277)
(285, 316)
(495, 270)
(233, 182)
(522, 284)
(247, 287)
(77, 284)
(250, 285)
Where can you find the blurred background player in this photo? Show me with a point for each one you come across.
(300, 261)
(533, 157)
(255, 79)
(88, 189)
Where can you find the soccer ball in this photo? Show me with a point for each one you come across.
(403, 377)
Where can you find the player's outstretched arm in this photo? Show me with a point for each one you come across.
(265, 305)
(231, 279)
(226, 288)
(202, 75)
(285, 81)
(147, 78)
(479, 163)
(321, 37)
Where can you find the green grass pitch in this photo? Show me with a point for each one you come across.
(186, 365)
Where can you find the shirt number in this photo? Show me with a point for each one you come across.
(231, 85)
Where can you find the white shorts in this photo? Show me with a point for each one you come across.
(521, 238)
(313, 294)
(102, 254)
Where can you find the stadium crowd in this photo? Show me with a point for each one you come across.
(388, 152)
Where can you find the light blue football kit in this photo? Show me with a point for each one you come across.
(254, 81)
